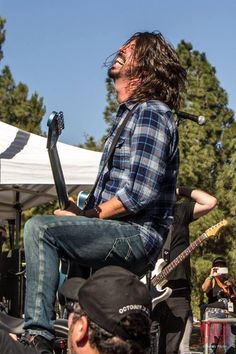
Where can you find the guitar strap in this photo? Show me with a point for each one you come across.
(110, 153)
(165, 253)
(222, 286)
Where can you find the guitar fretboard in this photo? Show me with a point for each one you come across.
(181, 257)
(56, 125)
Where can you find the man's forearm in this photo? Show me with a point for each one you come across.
(203, 198)
(110, 209)
(204, 202)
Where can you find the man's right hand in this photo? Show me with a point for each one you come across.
(71, 210)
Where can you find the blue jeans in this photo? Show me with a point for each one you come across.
(91, 242)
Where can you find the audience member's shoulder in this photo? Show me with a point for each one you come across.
(9, 345)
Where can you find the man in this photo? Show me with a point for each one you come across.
(173, 313)
(109, 314)
(132, 208)
(220, 289)
(112, 314)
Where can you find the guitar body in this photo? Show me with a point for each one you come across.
(157, 293)
(81, 199)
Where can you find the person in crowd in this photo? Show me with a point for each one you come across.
(9, 345)
(109, 314)
(172, 314)
(128, 217)
(220, 289)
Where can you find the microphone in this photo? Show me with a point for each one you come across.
(197, 119)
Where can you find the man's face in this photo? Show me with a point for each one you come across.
(123, 62)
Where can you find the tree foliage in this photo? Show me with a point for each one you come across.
(108, 114)
(112, 104)
(2, 35)
(207, 157)
(91, 144)
(16, 107)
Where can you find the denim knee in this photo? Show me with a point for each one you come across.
(29, 229)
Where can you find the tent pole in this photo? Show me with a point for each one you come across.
(11, 228)
(18, 218)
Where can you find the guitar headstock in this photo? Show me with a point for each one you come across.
(55, 126)
(213, 230)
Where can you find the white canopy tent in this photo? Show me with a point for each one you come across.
(25, 172)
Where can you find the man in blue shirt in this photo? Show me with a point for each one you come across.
(133, 202)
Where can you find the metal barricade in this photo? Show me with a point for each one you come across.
(217, 332)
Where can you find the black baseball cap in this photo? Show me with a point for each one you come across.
(219, 260)
(109, 295)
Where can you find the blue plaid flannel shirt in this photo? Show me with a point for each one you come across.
(143, 171)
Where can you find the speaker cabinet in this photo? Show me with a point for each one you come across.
(12, 281)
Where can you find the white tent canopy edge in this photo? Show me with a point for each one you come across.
(25, 173)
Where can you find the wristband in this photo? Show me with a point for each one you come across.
(98, 210)
(185, 191)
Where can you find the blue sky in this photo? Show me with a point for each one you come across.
(58, 47)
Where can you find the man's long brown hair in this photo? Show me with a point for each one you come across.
(158, 69)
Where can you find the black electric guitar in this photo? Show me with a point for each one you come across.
(55, 126)
(160, 273)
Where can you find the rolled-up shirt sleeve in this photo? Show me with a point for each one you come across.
(150, 145)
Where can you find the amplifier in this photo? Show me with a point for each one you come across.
(12, 281)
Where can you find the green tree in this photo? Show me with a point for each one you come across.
(199, 146)
(207, 153)
(112, 103)
(207, 157)
(91, 144)
(2, 35)
(15, 106)
(108, 114)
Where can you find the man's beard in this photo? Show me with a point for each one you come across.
(125, 73)
(112, 74)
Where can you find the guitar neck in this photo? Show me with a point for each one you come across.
(180, 258)
(58, 177)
